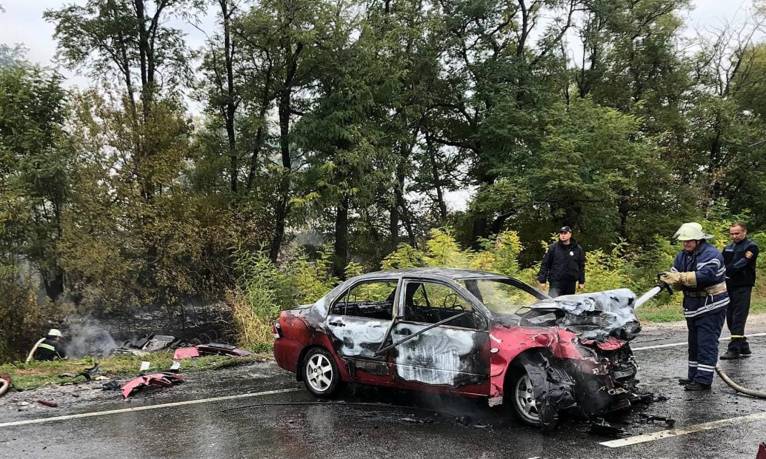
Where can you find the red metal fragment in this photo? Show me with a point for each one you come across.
(48, 403)
(150, 380)
(185, 353)
(761, 451)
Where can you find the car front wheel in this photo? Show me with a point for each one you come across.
(523, 398)
(320, 374)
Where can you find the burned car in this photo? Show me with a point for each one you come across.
(471, 333)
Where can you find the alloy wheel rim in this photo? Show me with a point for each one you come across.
(319, 372)
(525, 399)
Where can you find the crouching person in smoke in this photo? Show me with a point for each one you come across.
(699, 271)
(48, 348)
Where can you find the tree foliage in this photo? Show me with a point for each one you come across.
(326, 138)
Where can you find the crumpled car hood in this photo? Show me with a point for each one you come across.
(593, 316)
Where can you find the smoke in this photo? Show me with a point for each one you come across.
(88, 337)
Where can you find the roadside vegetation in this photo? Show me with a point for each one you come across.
(26, 376)
(265, 288)
(308, 140)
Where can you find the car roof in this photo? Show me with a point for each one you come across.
(433, 273)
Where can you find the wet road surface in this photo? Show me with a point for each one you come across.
(259, 410)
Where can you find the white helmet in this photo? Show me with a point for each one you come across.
(54, 332)
(691, 232)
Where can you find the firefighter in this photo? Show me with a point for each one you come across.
(699, 271)
(740, 257)
(563, 266)
(48, 348)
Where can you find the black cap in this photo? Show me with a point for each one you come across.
(565, 229)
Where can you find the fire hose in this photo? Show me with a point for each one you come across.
(5, 384)
(737, 387)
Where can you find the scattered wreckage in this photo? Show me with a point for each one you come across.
(472, 333)
(165, 379)
(182, 350)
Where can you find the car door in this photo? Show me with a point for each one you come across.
(359, 321)
(454, 353)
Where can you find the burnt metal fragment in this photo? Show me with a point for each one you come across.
(651, 418)
(601, 427)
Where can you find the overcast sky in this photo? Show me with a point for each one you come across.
(22, 22)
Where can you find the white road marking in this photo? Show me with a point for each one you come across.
(662, 346)
(147, 407)
(683, 430)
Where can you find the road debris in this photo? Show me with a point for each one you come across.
(185, 353)
(156, 380)
(111, 385)
(416, 421)
(601, 427)
(222, 349)
(651, 418)
(148, 344)
(48, 403)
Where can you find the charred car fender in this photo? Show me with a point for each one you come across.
(298, 336)
(509, 343)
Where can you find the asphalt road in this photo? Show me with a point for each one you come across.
(259, 410)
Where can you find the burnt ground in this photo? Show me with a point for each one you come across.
(261, 422)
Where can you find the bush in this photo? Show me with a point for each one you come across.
(23, 320)
(264, 289)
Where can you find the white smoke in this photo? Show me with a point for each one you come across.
(87, 337)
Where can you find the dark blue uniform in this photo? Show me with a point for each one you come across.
(740, 259)
(704, 308)
(563, 267)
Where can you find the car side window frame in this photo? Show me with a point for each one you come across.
(477, 308)
(345, 293)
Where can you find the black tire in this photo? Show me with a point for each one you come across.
(319, 373)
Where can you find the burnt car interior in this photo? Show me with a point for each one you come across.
(430, 302)
(374, 300)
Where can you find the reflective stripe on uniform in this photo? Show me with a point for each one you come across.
(47, 346)
(710, 307)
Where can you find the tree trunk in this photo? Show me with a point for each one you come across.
(393, 226)
(231, 103)
(284, 182)
(340, 255)
(436, 179)
(54, 283)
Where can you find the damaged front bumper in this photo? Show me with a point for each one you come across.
(590, 387)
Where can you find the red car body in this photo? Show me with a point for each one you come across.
(570, 359)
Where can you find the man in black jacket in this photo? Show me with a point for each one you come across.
(563, 266)
(740, 257)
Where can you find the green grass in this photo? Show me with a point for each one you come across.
(672, 312)
(31, 375)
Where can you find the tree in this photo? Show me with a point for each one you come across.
(35, 163)
(284, 33)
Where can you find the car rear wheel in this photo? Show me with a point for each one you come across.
(523, 398)
(320, 374)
